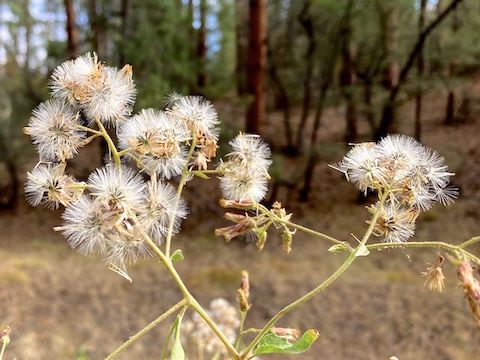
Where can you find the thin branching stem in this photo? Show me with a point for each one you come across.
(111, 145)
(469, 242)
(181, 184)
(426, 244)
(308, 296)
(181, 304)
(87, 129)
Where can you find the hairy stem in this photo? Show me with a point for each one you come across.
(426, 244)
(181, 184)
(146, 329)
(308, 296)
(470, 242)
(4, 346)
(243, 315)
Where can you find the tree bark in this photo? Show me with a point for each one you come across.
(99, 39)
(202, 48)
(72, 34)
(420, 71)
(257, 64)
(306, 21)
(347, 79)
(124, 12)
(241, 39)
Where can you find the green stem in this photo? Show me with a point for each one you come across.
(304, 229)
(425, 244)
(308, 296)
(190, 298)
(87, 129)
(470, 242)
(243, 315)
(146, 329)
(111, 145)
(4, 346)
(181, 184)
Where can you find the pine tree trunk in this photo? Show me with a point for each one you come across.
(125, 7)
(72, 35)
(241, 39)
(420, 71)
(257, 64)
(202, 48)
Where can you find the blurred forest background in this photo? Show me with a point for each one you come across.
(310, 76)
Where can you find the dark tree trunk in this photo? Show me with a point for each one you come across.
(257, 64)
(72, 35)
(420, 70)
(202, 48)
(347, 79)
(306, 21)
(99, 35)
(241, 40)
(284, 102)
(450, 109)
(124, 12)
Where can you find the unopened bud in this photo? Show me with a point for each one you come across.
(261, 238)
(245, 283)
(468, 281)
(287, 241)
(5, 335)
(243, 301)
(240, 205)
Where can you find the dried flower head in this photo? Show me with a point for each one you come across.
(435, 280)
(160, 207)
(48, 184)
(198, 114)
(54, 131)
(110, 96)
(395, 222)
(157, 140)
(69, 79)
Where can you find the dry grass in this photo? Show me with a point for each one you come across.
(64, 306)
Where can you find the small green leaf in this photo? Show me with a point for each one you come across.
(177, 256)
(337, 248)
(362, 250)
(273, 344)
(177, 352)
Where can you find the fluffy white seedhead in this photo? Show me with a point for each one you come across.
(53, 127)
(117, 189)
(242, 183)
(111, 96)
(157, 140)
(251, 151)
(418, 174)
(47, 184)
(396, 223)
(159, 209)
(225, 316)
(245, 173)
(362, 167)
(68, 80)
(199, 115)
(84, 226)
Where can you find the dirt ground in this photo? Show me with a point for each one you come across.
(61, 305)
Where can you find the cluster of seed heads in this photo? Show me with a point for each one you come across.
(122, 204)
(415, 176)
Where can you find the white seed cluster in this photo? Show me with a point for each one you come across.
(198, 332)
(415, 176)
(246, 170)
(121, 205)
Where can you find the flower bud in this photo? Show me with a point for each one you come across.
(288, 334)
(262, 238)
(235, 204)
(287, 241)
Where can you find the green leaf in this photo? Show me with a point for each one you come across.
(177, 352)
(362, 250)
(177, 256)
(273, 344)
